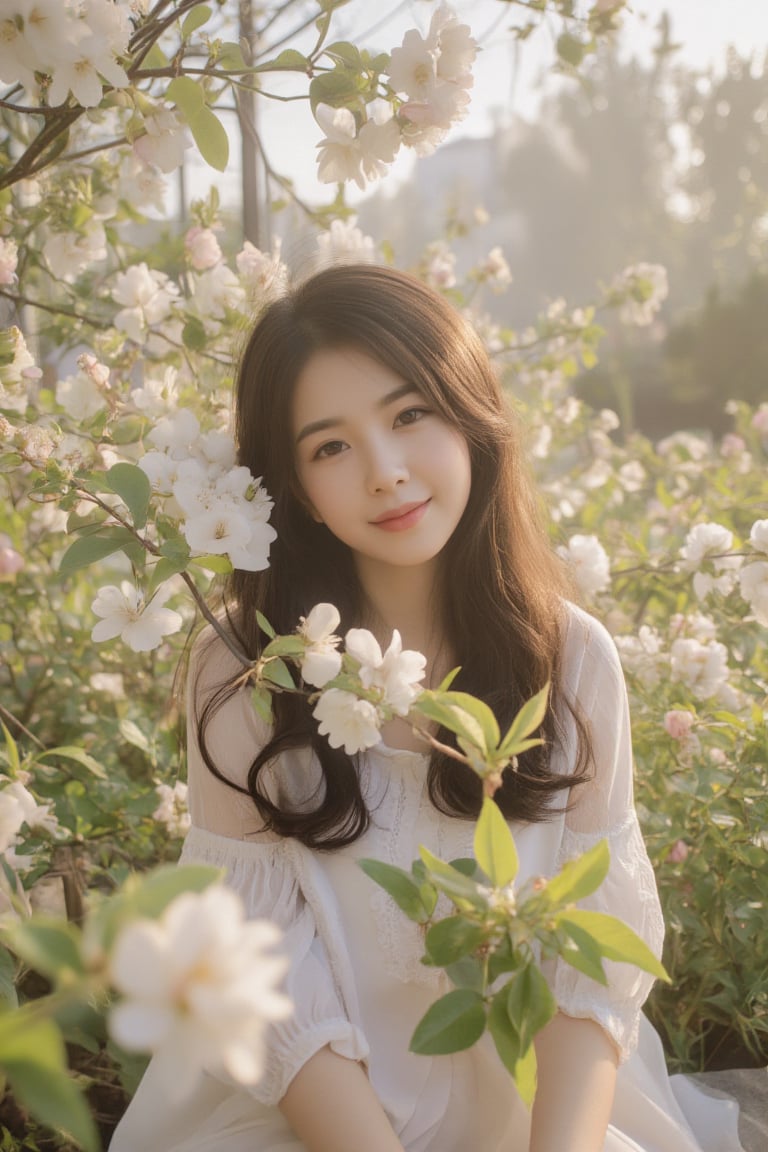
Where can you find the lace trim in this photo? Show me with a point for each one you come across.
(401, 940)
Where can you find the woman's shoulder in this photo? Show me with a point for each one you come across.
(587, 642)
(214, 659)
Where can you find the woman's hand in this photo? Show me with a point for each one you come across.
(332, 1107)
(576, 1081)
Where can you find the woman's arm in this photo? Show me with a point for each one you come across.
(332, 1107)
(577, 1076)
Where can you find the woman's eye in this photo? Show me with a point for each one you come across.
(330, 448)
(411, 415)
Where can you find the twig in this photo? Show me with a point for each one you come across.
(22, 728)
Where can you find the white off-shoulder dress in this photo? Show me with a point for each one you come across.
(355, 975)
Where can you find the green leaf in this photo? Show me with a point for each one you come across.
(134, 735)
(401, 886)
(12, 749)
(451, 939)
(265, 625)
(155, 58)
(454, 1022)
(195, 19)
(347, 53)
(194, 335)
(133, 487)
(261, 699)
(467, 973)
(586, 956)
(176, 550)
(570, 50)
(221, 565)
(446, 682)
(151, 894)
(278, 672)
(211, 138)
(33, 1057)
(458, 887)
(529, 718)
(336, 88)
(448, 715)
(8, 994)
(289, 60)
(230, 57)
(187, 94)
(285, 646)
(615, 939)
(580, 877)
(520, 1065)
(90, 549)
(79, 755)
(51, 947)
(530, 1004)
(495, 846)
(480, 713)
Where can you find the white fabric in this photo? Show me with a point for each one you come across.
(356, 978)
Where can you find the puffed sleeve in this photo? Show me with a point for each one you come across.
(277, 879)
(604, 808)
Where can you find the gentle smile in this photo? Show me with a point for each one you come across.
(401, 518)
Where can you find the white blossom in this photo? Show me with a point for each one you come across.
(69, 253)
(753, 584)
(758, 536)
(175, 434)
(217, 291)
(344, 242)
(83, 64)
(641, 654)
(172, 811)
(17, 370)
(199, 987)
(395, 673)
(346, 154)
(165, 142)
(320, 662)
(17, 807)
(643, 288)
(702, 667)
(124, 613)
(79, 396)
(263, 272)
(9, 258)
(141, 184)
(157, 397)
(440, 270)
(148, 296)
(589, 563)
(347, 721)
(495, 270)
(702, 541)
(110, 683)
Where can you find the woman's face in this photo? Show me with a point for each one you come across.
(378, 466)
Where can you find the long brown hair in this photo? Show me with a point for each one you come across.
(503, 589)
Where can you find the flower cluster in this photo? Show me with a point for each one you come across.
(223, 509)
(641, 290)
(199, 987)
(588, 562)
(710, 543)
(389, 681)
(17, 370)
(18, 807)
(172, 811)
(72, 46)
(431, 75)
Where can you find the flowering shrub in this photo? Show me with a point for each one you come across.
(124, 506)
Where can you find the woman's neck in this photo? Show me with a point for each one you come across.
(406, 599)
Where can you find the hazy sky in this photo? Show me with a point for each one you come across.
(506, 74)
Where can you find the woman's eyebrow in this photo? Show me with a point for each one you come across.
(335, 421)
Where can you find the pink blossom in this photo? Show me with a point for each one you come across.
(678, 852)
(11, 561)
(678, 723)
(760, 420)
(202, 248)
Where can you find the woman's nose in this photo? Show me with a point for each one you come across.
(387, 467)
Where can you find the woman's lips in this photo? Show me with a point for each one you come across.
(401, 518)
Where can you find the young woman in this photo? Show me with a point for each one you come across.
(371, 411)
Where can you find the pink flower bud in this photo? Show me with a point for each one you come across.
(11, 562)
(678, 852)
(678, 724)
(732, 445)
(202, 248)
